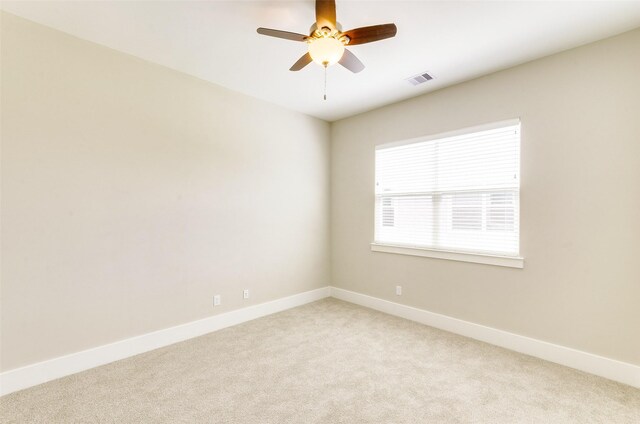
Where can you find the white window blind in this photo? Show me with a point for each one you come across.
(457, 192)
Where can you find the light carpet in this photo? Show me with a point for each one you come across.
(327, 362)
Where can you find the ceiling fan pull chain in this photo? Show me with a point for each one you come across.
(325, 81)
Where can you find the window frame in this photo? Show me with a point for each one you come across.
(450, 254)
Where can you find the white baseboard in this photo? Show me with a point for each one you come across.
(41, 372)
(604, 367)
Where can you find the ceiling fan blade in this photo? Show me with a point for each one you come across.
(325, 13)
(371, 33)
(351, 62)
(282, 34)
(302, 62)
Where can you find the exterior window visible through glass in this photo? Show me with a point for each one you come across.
(466, 211)
(388, 216)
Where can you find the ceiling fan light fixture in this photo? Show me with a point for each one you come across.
(326, 51)
(326, 40)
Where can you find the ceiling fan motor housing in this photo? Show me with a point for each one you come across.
(314, 27)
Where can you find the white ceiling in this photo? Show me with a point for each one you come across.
(217, 41)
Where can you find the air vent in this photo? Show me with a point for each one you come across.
(420, 78)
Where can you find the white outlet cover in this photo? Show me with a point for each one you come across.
(216, 300)
(399, 290)
(245, 293)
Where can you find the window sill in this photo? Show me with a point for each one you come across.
(507, 261)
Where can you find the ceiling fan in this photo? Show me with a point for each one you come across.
(326, 40)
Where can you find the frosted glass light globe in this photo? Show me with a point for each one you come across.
(326, 51)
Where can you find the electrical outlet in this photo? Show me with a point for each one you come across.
(398, 290)
(245, 293)
(216, 300)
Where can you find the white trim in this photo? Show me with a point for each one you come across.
(612, 369)
(508, 261)
(41, 372)
(446, 134)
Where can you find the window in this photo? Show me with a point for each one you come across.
(458, 192)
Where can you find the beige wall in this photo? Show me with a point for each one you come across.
(580, 201)
(131, 194)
